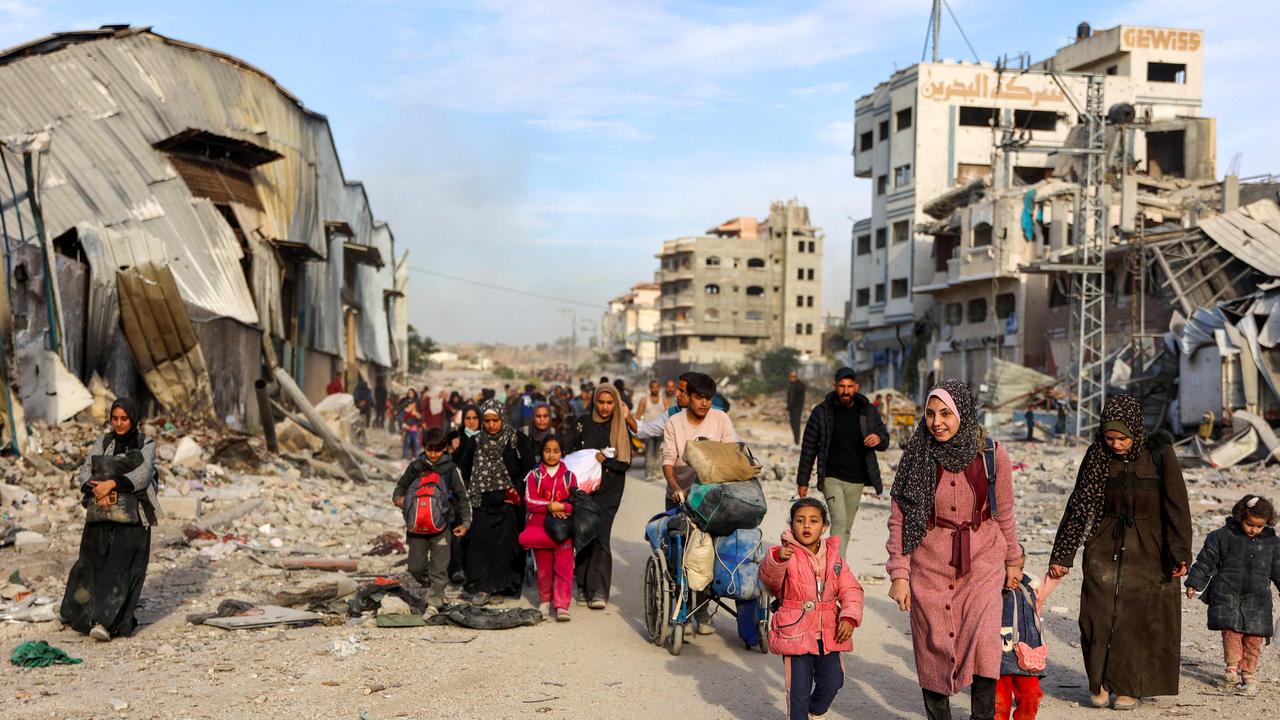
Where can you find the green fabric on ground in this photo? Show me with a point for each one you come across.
(40, 654)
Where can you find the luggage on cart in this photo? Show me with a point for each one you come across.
(720, 509)
(737, 569)
(721, 462)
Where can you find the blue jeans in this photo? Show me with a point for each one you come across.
(812, 684)
(411, 447)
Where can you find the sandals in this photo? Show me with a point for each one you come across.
(1124, 702)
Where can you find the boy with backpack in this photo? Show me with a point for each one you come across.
(432, 495)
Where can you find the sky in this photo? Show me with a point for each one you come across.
(552, 146)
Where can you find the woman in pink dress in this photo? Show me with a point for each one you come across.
(951, 552)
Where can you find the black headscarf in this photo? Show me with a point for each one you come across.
(1084, 507)
(131, 440)
(916, 480)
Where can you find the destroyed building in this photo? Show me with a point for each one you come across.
(931, 129)
(172, 217)
(630, 326)
(744, 285)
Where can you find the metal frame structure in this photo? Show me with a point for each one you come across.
(1088, 272)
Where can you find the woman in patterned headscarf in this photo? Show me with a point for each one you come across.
(1129, 508)
(494, 560)
(947, 560)
(605, 426)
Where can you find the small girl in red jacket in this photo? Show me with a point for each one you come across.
(546, 494)
(821, 604)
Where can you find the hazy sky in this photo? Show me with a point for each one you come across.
(551, 146)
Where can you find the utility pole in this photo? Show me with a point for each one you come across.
(937, 26)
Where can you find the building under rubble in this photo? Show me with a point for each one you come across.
(929, 135)
(172, 217)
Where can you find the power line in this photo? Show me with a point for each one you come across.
(947, 5)
(491, 286)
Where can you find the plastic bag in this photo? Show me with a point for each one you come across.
(586, 518)
(721, 509)
(737, 569)
(699, 560)
(584, 467)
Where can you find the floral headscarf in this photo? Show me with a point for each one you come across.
(489, 469)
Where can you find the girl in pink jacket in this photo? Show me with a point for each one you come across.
(820, 605)
(546, 494)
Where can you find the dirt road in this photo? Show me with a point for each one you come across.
(600, 665)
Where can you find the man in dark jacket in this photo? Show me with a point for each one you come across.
(843, 435)
(795, 403)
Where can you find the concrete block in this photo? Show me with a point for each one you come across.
(180, 507)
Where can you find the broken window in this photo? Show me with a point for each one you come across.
(901, 231)
(882, 184)
(755, 291)
(1005, 305)
(953, 314)
(1167, 72)
(1165, 155)
(711, 315)
(982, 235)
(711, 289)
(863, 297)
(1113, 69)
(755, 316)
(879, 292)
(902, 176)
(903, 117)
(969, 172)
(217, 167)
(713, 261)
(899, 288)
(1035, 119)
(884, 130)
(977, 310)
(747, 341)
(1027, 175)
(865, 141)
(979, 117)
(755, 262)
(881, 237)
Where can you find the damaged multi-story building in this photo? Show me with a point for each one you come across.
(174, 219)
(629, 327)
(746, 284)
(931, 133)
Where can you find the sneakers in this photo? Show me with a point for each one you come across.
(1231, 680)
(545, 609)
(562, 615)
(1249, 688)
(99, 633)
(430, 612)
(597, 604)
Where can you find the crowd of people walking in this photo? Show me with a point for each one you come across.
(494, 464)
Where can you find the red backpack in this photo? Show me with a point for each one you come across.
(428, 509)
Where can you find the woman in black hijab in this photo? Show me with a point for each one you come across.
(118, 483)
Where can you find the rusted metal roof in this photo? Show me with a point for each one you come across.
(1251, 233)
(129, 116)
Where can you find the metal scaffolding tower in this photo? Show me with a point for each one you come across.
(1089, 268)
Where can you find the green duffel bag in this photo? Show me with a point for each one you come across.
(719, 462)
(722, 508)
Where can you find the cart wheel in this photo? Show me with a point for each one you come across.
(656, 599)
(677, 639)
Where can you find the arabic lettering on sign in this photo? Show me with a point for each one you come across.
(1139, 38)
(984, 87)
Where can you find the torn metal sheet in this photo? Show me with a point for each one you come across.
(1265, 433)
(264, 616)
(1232, 451)
(49, 391)
(163, 340)
(1251, 233)
(1008, 382)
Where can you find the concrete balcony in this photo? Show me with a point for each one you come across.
(677, 327)
(674, 275)
(981, 263)
(678, 300)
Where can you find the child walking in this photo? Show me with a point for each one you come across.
(1239, 563)
(820, 606)
(547, 489)
(437, 500)
(1022, 664)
